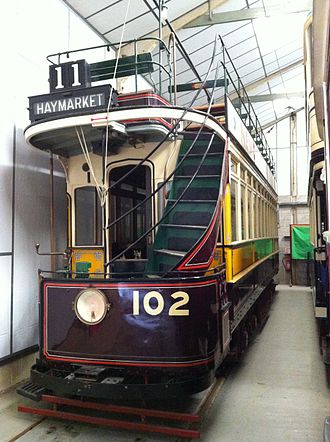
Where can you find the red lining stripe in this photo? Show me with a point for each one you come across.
(149, 120)
(143, 95)
(184, 265)
(130, 285)
(132, 364)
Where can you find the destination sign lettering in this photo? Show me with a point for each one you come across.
(66, 104)
(82, 101)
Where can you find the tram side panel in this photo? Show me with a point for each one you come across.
(251, 249)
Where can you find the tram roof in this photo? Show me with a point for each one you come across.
(263, 37)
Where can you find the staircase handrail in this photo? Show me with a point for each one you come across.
(244, 98)
(108, 46)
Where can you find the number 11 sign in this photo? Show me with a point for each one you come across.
(68, 76)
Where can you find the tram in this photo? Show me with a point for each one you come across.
(172, 230)
(317, 106)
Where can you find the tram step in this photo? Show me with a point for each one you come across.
(211, 156)
(170, 252)
(207, 165)
(199, 147)
(207, 192)
(187, 169)
(193, 201)
(31, 391)
(181, 244)
(191, 215)
(181, 237)
(182, 226)
(164, 260)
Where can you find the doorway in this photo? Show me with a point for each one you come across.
(124, 196)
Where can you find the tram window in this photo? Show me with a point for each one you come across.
(233, 193)
(126, 225)
(88, 217)
(140, 221)
(243, 217)
(256, 215)
(263, 226)
(261, 216)
(250, 213)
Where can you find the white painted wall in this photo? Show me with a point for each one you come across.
(29, 31)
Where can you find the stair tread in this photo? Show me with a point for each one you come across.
(197, 176)
(200, 154)
(193, 201)
(183, 226)
(170, 252)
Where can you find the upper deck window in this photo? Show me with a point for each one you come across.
(88, 217)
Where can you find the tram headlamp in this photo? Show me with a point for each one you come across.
(91, 306)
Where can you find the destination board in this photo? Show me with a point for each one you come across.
(77, 101)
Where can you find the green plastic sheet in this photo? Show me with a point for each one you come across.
(301, 247)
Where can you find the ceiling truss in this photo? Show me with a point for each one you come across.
(248, 14)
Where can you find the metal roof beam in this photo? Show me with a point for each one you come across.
(249, 14)
(272, 97)
(283, 117)
(271, 76)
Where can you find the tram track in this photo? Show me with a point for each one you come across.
(27, 430)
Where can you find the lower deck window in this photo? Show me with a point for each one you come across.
(88, 217)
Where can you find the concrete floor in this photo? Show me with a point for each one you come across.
(279, 391)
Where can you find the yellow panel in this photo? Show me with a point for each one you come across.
(251, 267)
(229, 263)
(227, 216)
(242, 257)
(93, 256)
